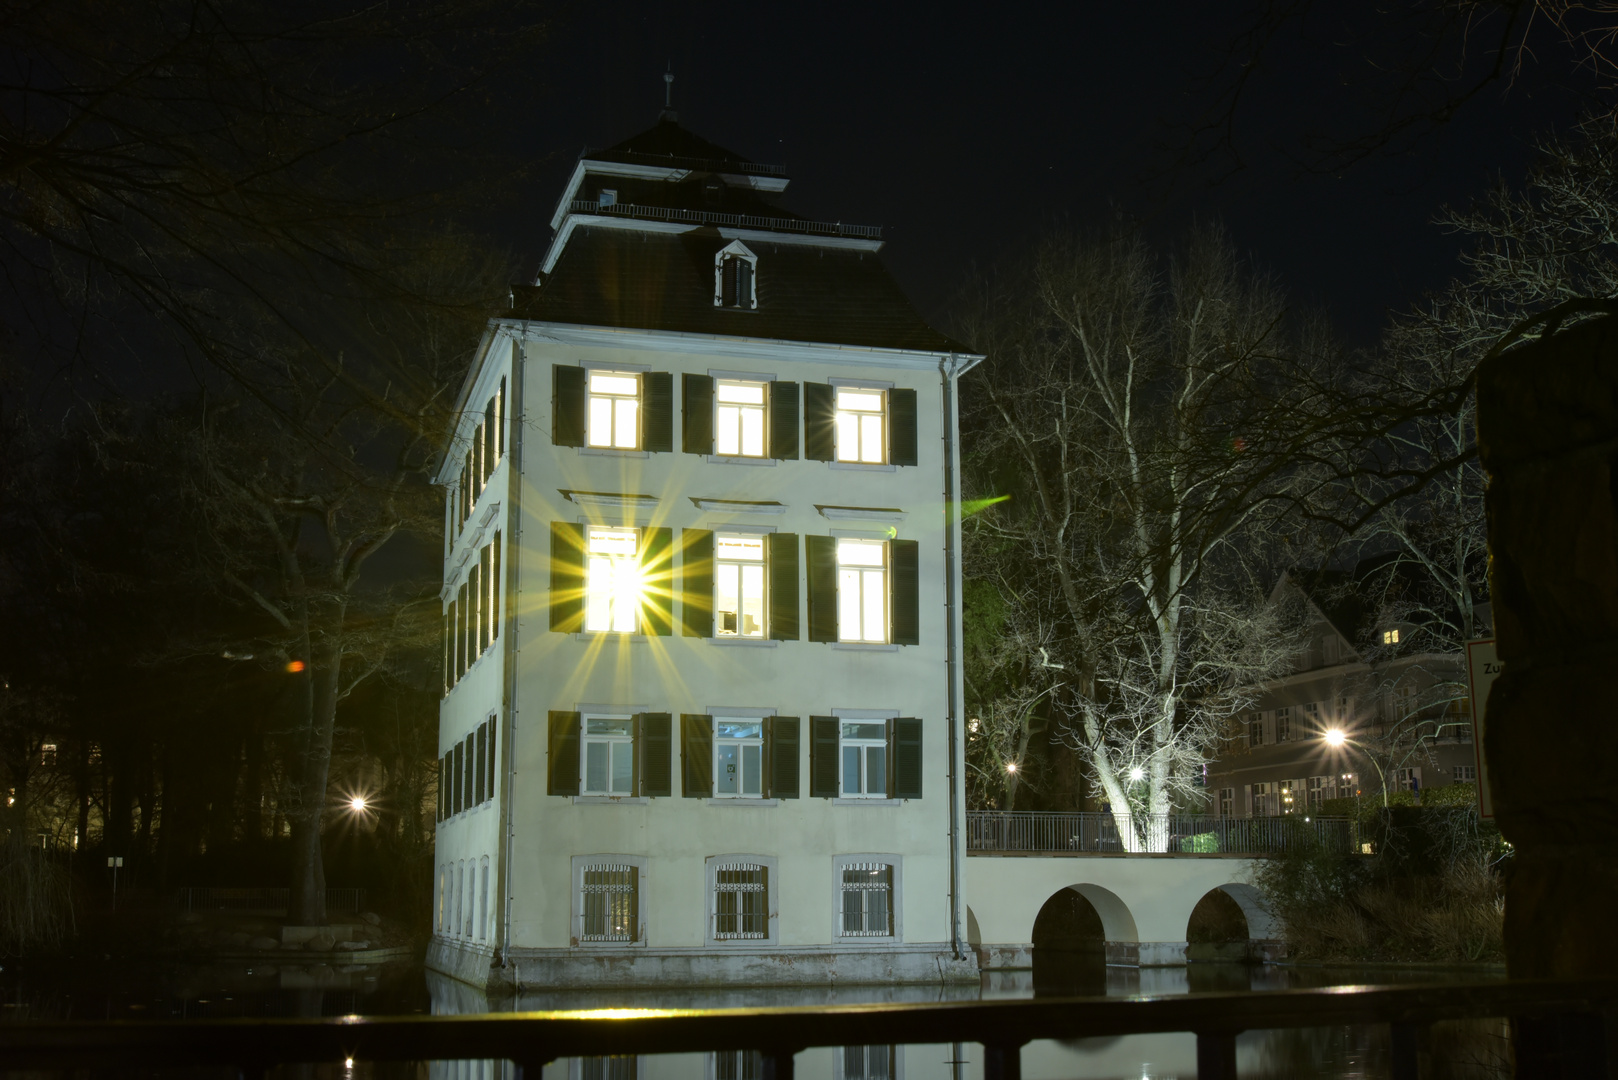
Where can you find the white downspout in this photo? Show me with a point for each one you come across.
(951, 368)
(515, 412)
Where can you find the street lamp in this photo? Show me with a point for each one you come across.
(1337, 738)
(357, 804)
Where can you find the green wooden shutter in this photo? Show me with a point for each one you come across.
(469, 765)
(904, 757)
(657, 752)
(458, 764)
(657, 577)
(783, 750)
(819, 422)
(696, 414)
(696, 756)
(781, 557)
(696, 583)
(821, 555)
(823, 748)
(493, 729)
(480, 777)
(784, 421)
(568, 392)
(902, 427)
(567, 576)
(496, 589)
(657, 412)
(564, 754)
(905, 592)
(443, 787)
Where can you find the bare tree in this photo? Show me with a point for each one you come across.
(1143, 422)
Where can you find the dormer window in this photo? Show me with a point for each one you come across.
(607, 197)
(735, 268)
(1390, 637)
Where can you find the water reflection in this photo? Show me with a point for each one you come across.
(1472, 1051)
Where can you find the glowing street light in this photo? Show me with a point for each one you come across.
(357, 804)
(1011, 766)
(1335, 737)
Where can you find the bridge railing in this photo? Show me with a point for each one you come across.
(1562, 1029)
(1145, 834)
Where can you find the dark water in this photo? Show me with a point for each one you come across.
(111, 990)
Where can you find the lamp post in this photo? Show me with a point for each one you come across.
(1337, 738)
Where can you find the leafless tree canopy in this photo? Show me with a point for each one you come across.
(1139, 413)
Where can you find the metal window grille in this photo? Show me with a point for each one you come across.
(868, 1063)
(738, 1065)
(617, 1067)
(611, 898)
(741, 901)
(868, 900)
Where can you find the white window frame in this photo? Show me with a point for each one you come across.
(854, 421)
(1227, 802)
(722, 564)
(732, 417)
(1262, 799)
(1319, 786)
(1255, 726)
(618, 571)
(1283, 724)
(895, 1061)
(895, 865)
(581, 863)
(865, 577)
(742, 744)
(587, 739)
(1286, 796)
(1402, 779)
(483, 899)
(864, 744)
(1466, 774)
(771, 867)
(616, 421)
(735, 250)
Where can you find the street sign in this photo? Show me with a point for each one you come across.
(1481, 668)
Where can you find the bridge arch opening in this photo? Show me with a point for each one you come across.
(1227, 922)
(1078, 931)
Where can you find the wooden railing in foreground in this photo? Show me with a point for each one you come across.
(1564, 1029)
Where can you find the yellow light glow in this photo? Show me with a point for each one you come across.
(1011, 766)
(357, 803)
(1335, 737)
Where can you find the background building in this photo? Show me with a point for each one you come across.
(1402, 717)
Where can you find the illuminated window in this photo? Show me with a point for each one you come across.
(613, 584)
(739, 420)
(738, 758)
(741, 901)
(609, 755)
(867, 900)
(47, 754)
(738, 586)
(614, 410)
(862, 592)
(860, 416)
(864, 764)
(1390, 637)
(609, 900)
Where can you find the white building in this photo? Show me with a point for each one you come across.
(702, 696)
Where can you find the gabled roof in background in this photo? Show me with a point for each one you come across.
(648, 280)
(667, 141)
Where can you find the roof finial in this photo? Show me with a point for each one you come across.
(668, 95)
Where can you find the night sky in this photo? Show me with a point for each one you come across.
(965, 131)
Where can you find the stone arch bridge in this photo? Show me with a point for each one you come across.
(1028, 880)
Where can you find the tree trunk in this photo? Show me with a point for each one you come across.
(306, 904)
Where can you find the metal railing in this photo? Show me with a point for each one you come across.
(1562, 1030)
(1172, 834)
(351, 901)
(708, 217)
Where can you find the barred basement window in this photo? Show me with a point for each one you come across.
(738, 1065)
(868, 1062)
(867, 900)
(617, 1067)
(741, 901)
(610, 897)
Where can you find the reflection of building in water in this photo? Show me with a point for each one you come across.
(699, 614)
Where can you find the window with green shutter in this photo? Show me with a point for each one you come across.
(784, 421)
(904, 740)
(563, 753)
(656, 754)
(781, 554)
(567, 577)
(696, 582)
(782, 742)
(569, 391)
(696, 414)
(823, 751)
(696, 755)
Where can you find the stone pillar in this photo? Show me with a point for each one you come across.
(1548, 437)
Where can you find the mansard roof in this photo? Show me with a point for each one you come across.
(650, 280)
(666, 141)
